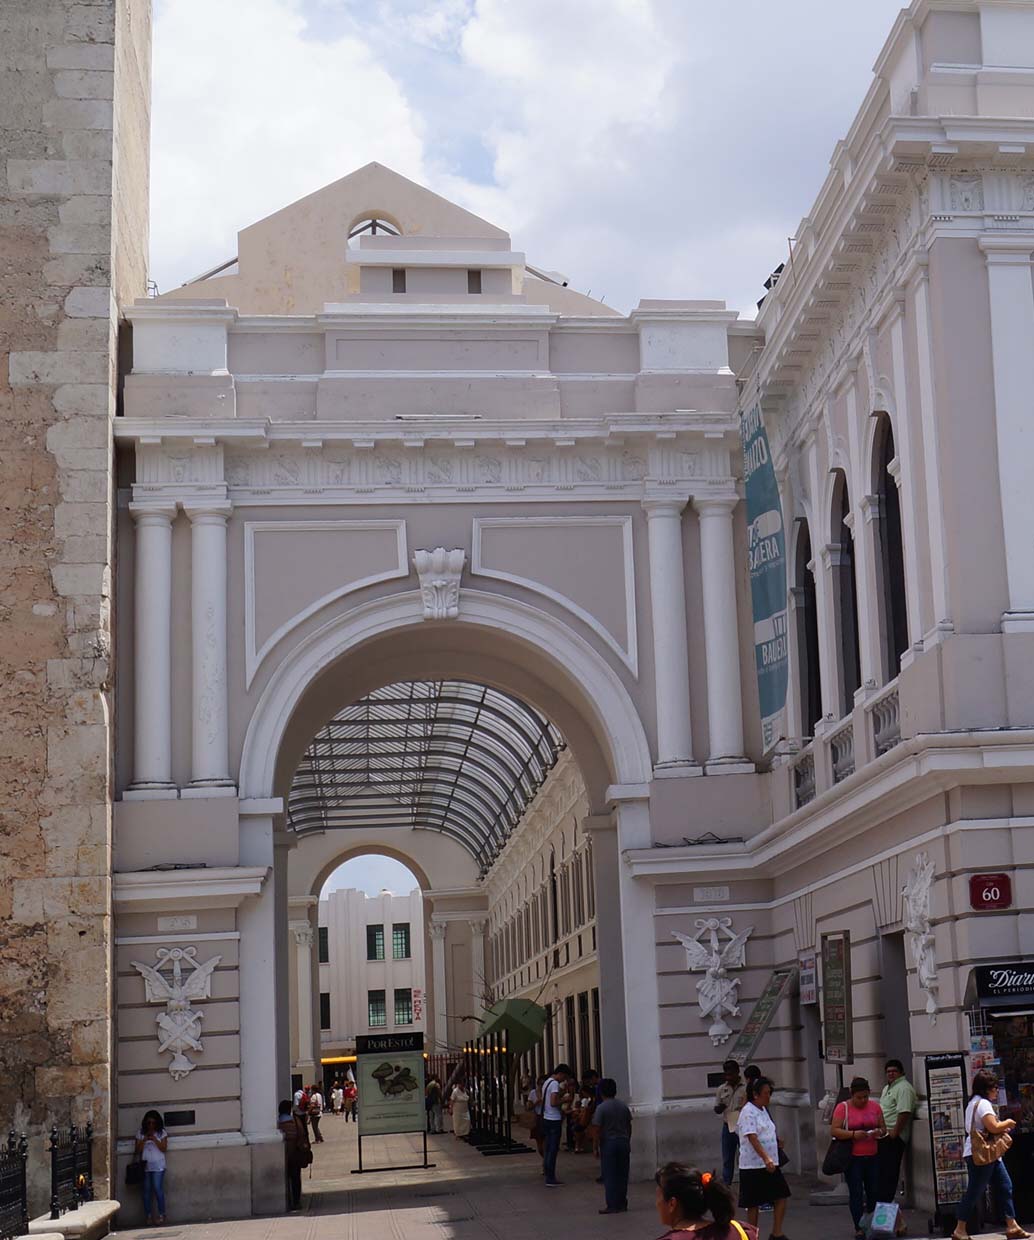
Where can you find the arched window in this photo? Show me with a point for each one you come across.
(375, 225)
(806, 616)
(890, 557)
(844, 594)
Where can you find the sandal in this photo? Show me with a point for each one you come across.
(1019, 1234)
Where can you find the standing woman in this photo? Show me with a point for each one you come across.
(151, 1144)
(980, 1114)
(761, 1181)
(459, 1104)
(860, 1121)
(697, 1202)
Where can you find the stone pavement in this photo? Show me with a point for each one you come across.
(467, 1196)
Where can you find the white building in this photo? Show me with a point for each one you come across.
(371, 967)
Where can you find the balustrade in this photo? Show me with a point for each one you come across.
(841, 747)
(804, 779)
(885, 715)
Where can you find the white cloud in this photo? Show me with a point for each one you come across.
(646, 148)
(249, 115)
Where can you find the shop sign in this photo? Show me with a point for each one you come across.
(990, 892)
(1004, 981)
(837, 1025)
(808, 969)
(418, 1003)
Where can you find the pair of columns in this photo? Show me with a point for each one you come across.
(439, 930)
(152, 761)
(671, 634)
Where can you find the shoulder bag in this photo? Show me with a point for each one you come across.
(987, 1149)
(135, 1171)
(839, 1155)
(739, 1230)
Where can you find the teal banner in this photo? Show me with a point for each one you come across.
(766, 541)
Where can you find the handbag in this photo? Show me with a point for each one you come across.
(838, 1156)
(988, 1149)
(135, 1171)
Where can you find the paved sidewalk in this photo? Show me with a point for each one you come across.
(467, 1196)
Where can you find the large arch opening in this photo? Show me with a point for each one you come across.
(809, 674)
(845, 596)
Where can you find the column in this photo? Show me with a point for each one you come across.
(257, 922)
(152, 671)
(906, 480)
(303, 939)
(1012, 330)
(441, 1024)
(477, 963)
(210, 760)
(670, 636)
(721, 631)
(826, 618)
(870, 622)
(606, 864)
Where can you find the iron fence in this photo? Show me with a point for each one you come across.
(71, 1168)
(14, 1206)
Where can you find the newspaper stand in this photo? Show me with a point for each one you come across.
(946, 1092)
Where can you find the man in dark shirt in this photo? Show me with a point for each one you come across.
(612, 1130)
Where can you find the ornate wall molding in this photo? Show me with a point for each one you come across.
(714, 949)
(440, 572)
(179, 1026)
(917, 894)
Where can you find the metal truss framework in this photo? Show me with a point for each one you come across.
(437, 755)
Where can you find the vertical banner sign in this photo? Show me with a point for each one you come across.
(766, 546)
(837, 1031)
(946, 1091)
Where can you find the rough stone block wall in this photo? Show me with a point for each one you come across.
(74, 122)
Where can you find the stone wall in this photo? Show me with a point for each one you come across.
(74, 124)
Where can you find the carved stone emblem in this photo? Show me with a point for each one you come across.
(439, 572)
(917, 892)
(967, 193)
(717, 992)
(179, 1026)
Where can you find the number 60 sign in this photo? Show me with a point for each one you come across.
(990, 891)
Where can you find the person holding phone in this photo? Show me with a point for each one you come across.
(151, 1143)
(860, 1121)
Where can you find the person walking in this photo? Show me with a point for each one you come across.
(699, 1203)
(860, 1121)
(981, 1115)
(300, 1107)
(459, 1105)
(351, 1097)
(151, 1143)
(315, 1112)
(553, 1092)
(898, 1104)
(731, 1095)
(761, 1181)
(297, 1151)
(612, 1137)
(433, 1103)
(337, 1099)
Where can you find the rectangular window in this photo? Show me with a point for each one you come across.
(398, 279)
(403, 1007)
(375, 1009)
(324, 945)
(374, 942)
(324, 1009)
(474, 280)
(400, 940)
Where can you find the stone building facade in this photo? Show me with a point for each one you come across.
(74, 137)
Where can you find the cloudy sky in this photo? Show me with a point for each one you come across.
(373, 875)
(645, 148)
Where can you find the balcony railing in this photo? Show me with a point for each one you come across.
(841, 750)
(885, 719)
(804, 779)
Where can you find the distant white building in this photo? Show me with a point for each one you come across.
(371, 966)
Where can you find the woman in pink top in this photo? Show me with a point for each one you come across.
(860, 1121)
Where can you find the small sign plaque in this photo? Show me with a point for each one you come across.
(990, 892)
(179, 921)
(710, 895)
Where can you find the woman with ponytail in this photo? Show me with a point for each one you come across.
(697, 1201)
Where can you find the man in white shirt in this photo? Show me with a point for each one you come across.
(553, 1119)
(316, 1113)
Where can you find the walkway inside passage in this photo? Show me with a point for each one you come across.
(467, 1196)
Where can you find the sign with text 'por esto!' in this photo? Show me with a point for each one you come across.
(766, 549)
(390, 1077)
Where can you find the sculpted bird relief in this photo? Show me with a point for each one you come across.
(169, 982)
(716, 990)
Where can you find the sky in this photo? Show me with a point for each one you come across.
(372, 874)
(644, 148)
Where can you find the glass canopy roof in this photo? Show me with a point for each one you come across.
(437, 755)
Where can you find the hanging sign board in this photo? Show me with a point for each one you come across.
(946, 1090)
(745, 1047)
(837, 1025)
(390, 1077)
(766, 550)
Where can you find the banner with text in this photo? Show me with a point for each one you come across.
(766, 546)
(390, 1077)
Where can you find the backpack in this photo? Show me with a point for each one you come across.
(303, 1105)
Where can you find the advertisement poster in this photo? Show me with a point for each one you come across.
(946, 1090)
(746, 1045)
(390, 1077)
(809, 971)
(766, 553)
(837, 1023)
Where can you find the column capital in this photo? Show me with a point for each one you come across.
(665, 505)
(1007, 250)
(302, 932)
(478, 925)
(208, 512)
(438, 931)
(715, 505)
(152, 512)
